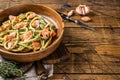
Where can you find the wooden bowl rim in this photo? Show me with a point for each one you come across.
(40, 51)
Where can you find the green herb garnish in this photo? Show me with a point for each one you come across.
(10, 70)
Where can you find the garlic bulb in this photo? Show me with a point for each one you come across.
(82, 9)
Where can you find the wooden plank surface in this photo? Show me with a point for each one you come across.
(95, 54)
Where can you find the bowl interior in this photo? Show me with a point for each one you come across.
(39, 9)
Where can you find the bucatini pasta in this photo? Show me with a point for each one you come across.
(26, 32)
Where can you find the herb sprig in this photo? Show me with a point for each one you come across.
(10, 69)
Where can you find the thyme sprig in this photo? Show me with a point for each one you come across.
(10, 69)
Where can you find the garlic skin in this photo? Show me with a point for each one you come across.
(70, 13)
(82, 9)
(86, 19)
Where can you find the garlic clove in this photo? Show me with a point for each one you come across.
(86, 19)
(82, 9)
(70, 13)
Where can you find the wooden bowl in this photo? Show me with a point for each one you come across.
(39, 9)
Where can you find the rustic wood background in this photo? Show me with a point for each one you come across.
(95, 55)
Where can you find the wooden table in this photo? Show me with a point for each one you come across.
(95, 55)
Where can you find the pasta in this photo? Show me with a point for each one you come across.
(26, 32)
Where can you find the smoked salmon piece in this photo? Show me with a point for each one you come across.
(35, 23)
(36, 44)
(45, 33)
(20, 25)
(27, 36)
(5, 26)
(52, 33)
(11, 44)
(31, 16)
